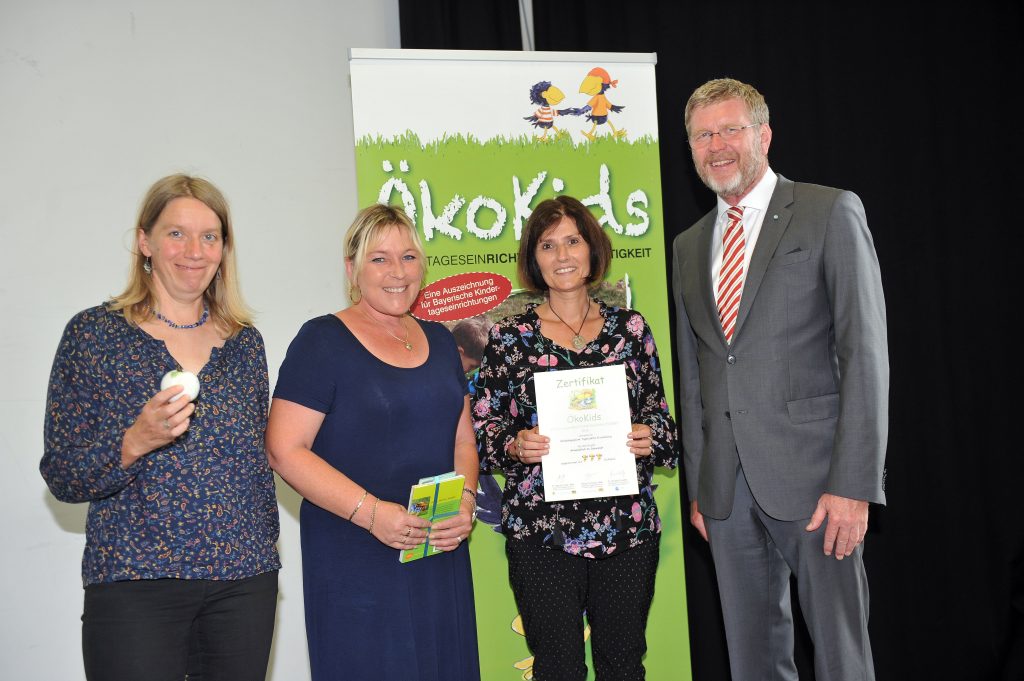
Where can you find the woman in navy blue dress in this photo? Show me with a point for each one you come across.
(369, 401)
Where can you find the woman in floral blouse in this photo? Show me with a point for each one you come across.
(180, 549)
(593, 556)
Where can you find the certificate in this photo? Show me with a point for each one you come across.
(585, 412)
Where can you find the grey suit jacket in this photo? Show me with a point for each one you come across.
(800, 397)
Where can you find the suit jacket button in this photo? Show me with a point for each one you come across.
(731, 359)
(728, 415)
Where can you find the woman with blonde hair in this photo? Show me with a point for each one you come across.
(182, 527)
(368, 402)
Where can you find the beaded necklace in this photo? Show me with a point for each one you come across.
(193, 325)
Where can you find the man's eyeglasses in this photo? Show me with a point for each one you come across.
(703, 139)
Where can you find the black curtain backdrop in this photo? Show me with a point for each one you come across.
(911, 106)
(460, 25)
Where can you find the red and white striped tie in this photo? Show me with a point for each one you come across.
(730, 278)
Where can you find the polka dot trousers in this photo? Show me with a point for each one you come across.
(554, 589)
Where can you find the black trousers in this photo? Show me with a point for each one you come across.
(554, 589)
(159, 629)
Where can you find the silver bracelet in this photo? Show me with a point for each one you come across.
(472, 495)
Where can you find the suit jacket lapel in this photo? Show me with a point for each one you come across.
(776, 220)
(704, 249)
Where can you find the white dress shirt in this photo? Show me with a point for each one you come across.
(755, 205)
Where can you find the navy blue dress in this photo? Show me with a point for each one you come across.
(385, 427)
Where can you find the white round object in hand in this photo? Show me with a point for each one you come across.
(185, 379)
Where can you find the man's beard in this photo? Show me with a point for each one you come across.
(749, 165)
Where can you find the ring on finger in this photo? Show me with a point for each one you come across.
(167, 424)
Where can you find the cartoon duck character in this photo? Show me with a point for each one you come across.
(596, 84)
(547, 96)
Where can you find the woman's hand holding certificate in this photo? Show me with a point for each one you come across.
(640, 441)
(529, 446)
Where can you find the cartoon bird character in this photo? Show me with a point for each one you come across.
(597, 83)
(547, 96)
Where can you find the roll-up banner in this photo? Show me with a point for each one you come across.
(468, 142)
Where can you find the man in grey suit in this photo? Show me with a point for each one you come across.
(784, 377)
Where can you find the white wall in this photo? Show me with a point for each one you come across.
(97, 100)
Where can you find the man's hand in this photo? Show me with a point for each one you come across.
(697, 520)
(847, 523)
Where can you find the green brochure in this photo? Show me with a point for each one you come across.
(434, 499)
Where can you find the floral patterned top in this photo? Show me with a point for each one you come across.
(506, 403)
(202, 507)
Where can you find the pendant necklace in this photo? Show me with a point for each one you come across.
(577, 339)
(403, 341)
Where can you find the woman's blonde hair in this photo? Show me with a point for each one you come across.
(138, 301)
(367, 230)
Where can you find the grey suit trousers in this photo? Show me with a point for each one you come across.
(755, 555)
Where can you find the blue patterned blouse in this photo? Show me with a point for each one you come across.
(506, 403)
(202, 507)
